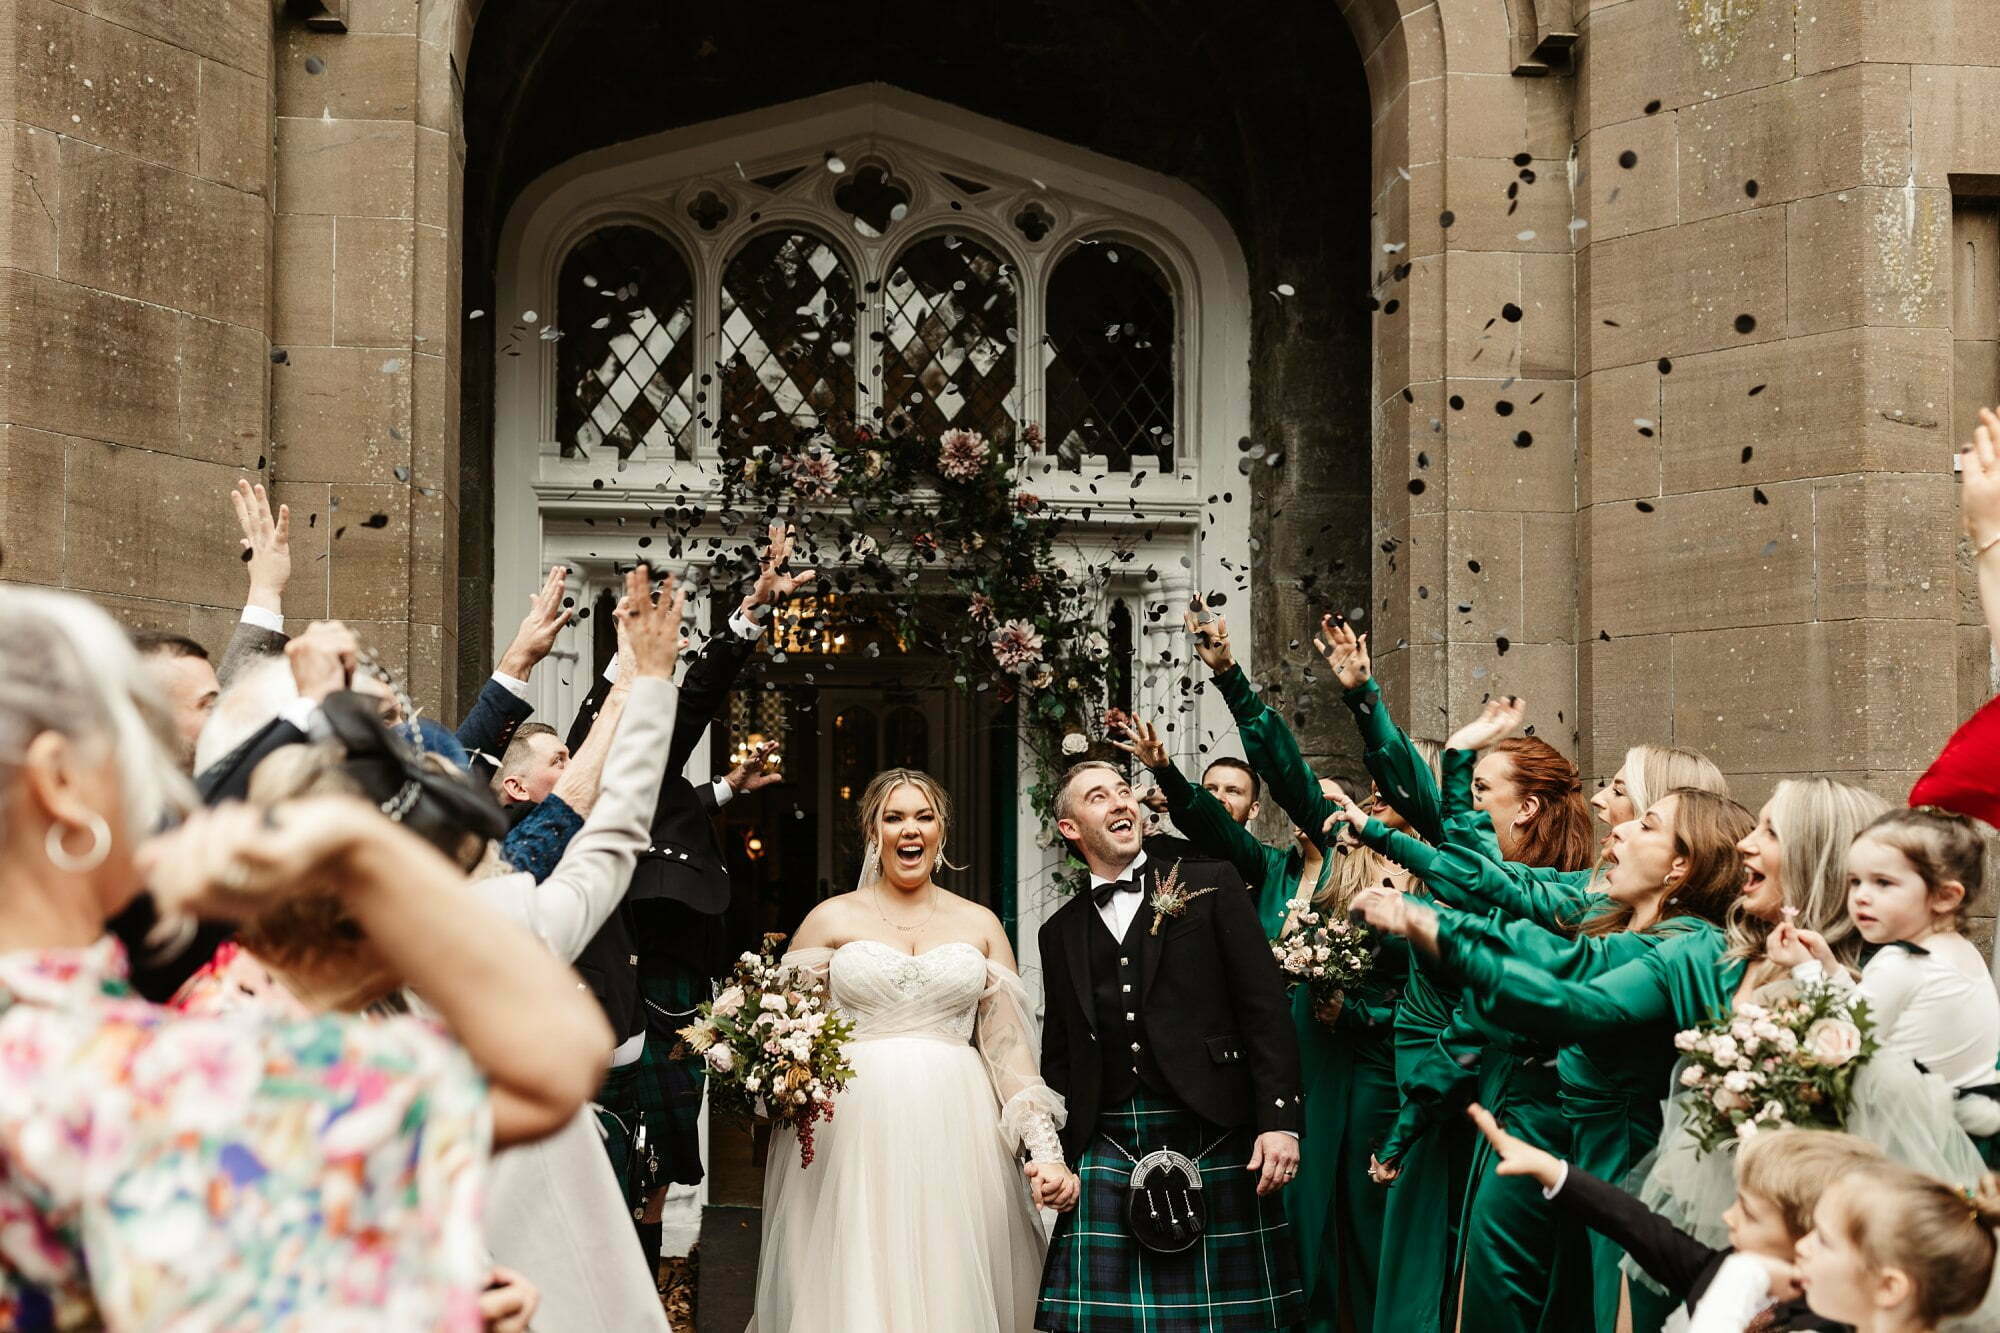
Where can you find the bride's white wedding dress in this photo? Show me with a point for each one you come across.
(914, 1215)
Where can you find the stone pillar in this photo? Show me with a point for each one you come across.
(134, 153)
(1475, 422)
(364, 403)
(1767, 357)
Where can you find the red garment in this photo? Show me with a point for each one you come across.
(1965, 777)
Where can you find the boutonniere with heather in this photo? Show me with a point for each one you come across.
(1171, 897)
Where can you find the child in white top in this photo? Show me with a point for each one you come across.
(1912, 875)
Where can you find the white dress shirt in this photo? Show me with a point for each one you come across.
(1118, 913)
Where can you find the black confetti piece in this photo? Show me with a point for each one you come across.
(1750, 188)
(1523, 440)
(1628, 159)
(1746, 323)
(1643, 507)
(1746, 453)
(1757, 494)
(1446, 218)
(1653, 107)
(1416, 485)
(1504, 408)
(1666, 366)
(1457, 403)
(279, 356)
(1500, 642)
(1605, 635)
(1511, 313)
(375, 521)
(1523, 159)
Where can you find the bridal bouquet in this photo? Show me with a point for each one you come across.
(1790, 1062)
(1331, 956)
(772, 1041)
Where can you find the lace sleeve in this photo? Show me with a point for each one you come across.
(1030, 1111)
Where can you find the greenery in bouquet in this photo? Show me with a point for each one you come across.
(889, 510)
(1790, 1062)
(773, 1043)
(1332, 955)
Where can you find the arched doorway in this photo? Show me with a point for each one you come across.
(1239, 204)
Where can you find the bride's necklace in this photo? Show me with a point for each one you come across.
(875, 897)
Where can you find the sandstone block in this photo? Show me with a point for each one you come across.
(1617, 459)
(106, 84)
(234, 118)
(82, 362)
(32, 533)
(374, 273)
(29, 235)
(223, 373)
(1684, 289)
(1870, 256)
(362, 76)
(1619, 199)
(144, 524)
(1796, 139)
(368, 553)
(342, 414)
(302, 279)
(352, 168)
(1753, 563)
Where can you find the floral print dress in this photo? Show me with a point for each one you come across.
(162, 1171)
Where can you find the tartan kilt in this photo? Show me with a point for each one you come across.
(656, 1089)
(1242, 1276)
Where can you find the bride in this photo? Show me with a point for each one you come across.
(914, 1214)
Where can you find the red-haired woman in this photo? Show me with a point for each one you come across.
(1519, 1271)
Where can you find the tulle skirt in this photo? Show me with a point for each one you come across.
(1900, 1109)
(913, 1214)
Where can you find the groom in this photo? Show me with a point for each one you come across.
(1167, 1028)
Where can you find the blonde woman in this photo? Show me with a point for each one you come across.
(913, 1213)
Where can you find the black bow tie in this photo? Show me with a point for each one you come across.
(1102, 894)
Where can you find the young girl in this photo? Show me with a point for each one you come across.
(1894, 1251)
(1912, 877)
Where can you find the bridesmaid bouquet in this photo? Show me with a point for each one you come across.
(1790, 1062)
(1331, 956)
(773, 1041)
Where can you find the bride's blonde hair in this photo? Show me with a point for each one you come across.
(876, 796)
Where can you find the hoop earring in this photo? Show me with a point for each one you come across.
(100, 846)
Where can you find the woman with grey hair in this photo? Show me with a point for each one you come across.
(160, 1170)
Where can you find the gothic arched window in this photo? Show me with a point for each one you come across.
(1111, 348)
(788, 304)
(625, 355)
(951, 317)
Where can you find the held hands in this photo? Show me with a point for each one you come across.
(1380, 1173)
(1345, 812)
(1344, 650)
(1143, 743)
(1517, 1157)
(773, 584)
(1495, 722)
(267, 545)
(652, 628)
(1979, 488)
(1054, 1184)
(537, 635)
(1211, 637)
(323, 659)
(1276, 1155)
(1788, 946)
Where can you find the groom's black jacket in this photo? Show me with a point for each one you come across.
(1211, 1004)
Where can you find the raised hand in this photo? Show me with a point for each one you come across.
(537, 635)
(267, 545)
(754, 771)
(773, 584)
(652, 627)
(1517, 1156)
(1789, 946)
(233, 862)
(1144, 744)
(1211, 637)
(1344, 650)
(1384, 909)
(323, 659)
(1979, 483)
(1345, 812)
(1499, 719)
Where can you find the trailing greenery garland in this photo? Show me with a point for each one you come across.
(891, 512)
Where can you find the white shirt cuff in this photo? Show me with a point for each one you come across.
(305, 714)
(1562, 1179)
(724, 793)
(263, 619)
(745, 626)
(514, 686)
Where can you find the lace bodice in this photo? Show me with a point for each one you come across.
(955, 993)
(889, 993)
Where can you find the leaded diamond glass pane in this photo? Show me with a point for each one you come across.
(787, 338)
(625, 363)
(1110, 358)
(948, 359)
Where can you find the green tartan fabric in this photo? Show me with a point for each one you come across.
(1241, 1277)
(657, 1089)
